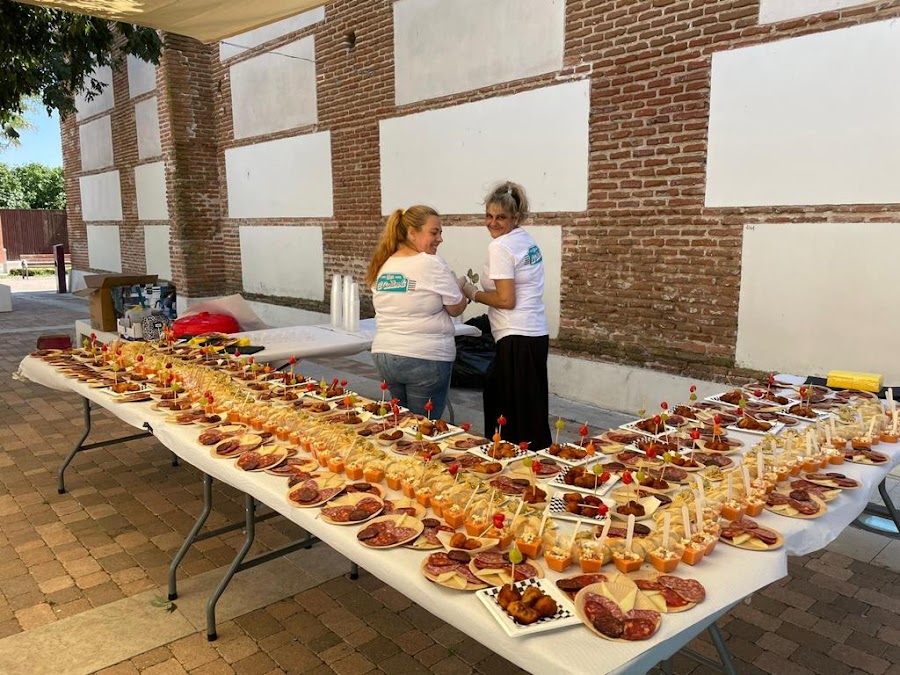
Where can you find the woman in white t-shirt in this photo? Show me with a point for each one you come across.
(415, 295)
(513, 282)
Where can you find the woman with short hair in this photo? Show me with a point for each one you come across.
(415, 294)
(513, 289)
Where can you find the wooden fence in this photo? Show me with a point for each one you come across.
(30, 231)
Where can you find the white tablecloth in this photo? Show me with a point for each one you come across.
(304, 342)
(569, 650)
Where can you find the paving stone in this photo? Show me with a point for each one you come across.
(776, 643)
(151, 658)
(35, 616)
(168, 667)
(859, 659)
(255, 664)
(355, 664)
(124, 668)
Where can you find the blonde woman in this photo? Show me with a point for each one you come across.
(513, 290)
(415, 295)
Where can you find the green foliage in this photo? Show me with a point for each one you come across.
(48, 54)
(33, 272)
(32, 186)
(12, 196)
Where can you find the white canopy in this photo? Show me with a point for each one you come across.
(204, 20)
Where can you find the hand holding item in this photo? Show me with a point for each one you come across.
(461, 281)
(469, 289)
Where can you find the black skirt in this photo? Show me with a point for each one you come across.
(516, 387)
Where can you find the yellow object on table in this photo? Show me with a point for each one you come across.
(847, 379)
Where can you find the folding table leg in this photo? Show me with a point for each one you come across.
(250, 523)
(192, 536)
(61, 474)
(354, 571)
(81, 447)
(724, 655)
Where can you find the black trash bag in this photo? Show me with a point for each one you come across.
(474, 355)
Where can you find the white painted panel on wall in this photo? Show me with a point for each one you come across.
(807, 120)
(283, 260)
(101, 196)
(771, 11)
(105, 101)
(465, 248)
(286, 178)
(104, 249)
(146, 120)
(95, 143)
(446, 46)
(141, 76)
(449, 158)
(238, 44)
(156, 251)
(272, 93)
(836, 317)
(150, 186)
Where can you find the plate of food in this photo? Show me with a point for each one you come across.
(578, 507)
(826, 494)
(429, 540)
(494, 568)
(500, 451)
(262, 458)
(235, 446)
(466, 442)
(389, 531)
(217, 434)
(748, 534)
(352, 508)
(671, 594)
(586, 480)
(433, 430)
(832, 479)
(863, 456)
(460, 541)
(641, 509)
(316, 491)
(451, 570)
(528, 607)
(293, 465)
(546, 468)
(610, 609)
(571, 585)
(797, 504)
(403, 506)
(751, 425)
(568, 454)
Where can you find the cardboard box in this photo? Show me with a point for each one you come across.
(103, 312)
(130, 330)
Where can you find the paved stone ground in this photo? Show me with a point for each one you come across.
(113, 535)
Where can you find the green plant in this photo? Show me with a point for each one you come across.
(34, 272)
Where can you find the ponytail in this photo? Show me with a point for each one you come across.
(395, 233)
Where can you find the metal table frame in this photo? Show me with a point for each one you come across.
(238, 564)
(81, 447)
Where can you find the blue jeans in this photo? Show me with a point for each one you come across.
(414, 381)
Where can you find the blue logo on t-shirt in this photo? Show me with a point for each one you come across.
(394, 283)
(534, 256)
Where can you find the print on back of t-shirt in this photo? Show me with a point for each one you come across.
(393, 282)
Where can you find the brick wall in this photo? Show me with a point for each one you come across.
(653, 275)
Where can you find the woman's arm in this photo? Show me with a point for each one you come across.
(504, 297)
(458, 308)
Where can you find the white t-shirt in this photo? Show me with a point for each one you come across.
(516, 256)
(409, 297)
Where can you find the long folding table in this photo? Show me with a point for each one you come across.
(729, 574)
(279, 344)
